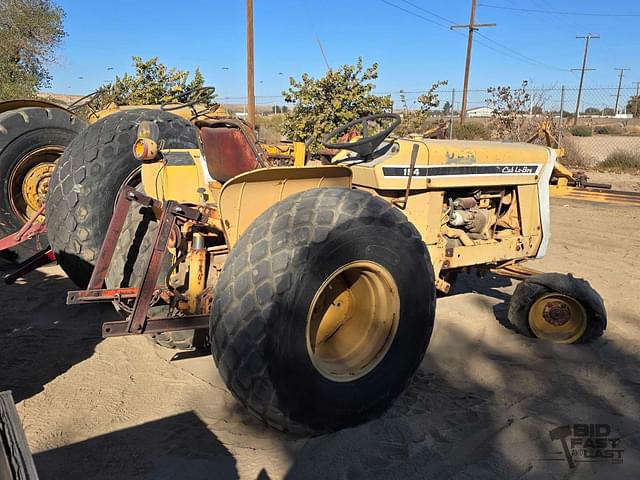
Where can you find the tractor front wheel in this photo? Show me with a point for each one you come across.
(323, 311)
(558, 308)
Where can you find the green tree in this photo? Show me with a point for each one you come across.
(153, 83)
(30, 31)
(507, 117)
(321, 105)
(633, 106)
(418, 121)
(592, 111)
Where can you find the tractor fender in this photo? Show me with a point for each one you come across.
(29, 102)
(244, 197)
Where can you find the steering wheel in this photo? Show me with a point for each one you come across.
(186, 99)
(368, 143)
(84, 101)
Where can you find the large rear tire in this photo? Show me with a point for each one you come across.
(31, 141)
(323, 311)
(85, 185)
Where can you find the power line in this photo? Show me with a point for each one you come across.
(622, 70)
(428, 11)
(587, 39)
(524, 57)
(472, 27)
(513, 53)
(555, 12)
(415, 14)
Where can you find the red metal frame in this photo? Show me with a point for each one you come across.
(33, 228)
(138, 322)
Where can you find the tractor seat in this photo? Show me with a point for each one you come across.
(229, 148)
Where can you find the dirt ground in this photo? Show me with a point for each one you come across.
(481, 406)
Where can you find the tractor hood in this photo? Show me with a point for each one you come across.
(449, 163)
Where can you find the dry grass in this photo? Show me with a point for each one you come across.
(573, 157)
(270, 128)
(471, 131)
(622, 161)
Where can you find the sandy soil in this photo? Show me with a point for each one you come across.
(481, 405)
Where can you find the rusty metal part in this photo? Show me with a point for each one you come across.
(77, 297)
(172, 215)
(556, 313)
(34, 227)
(43, 257)
(516, 271)
(35, 185)
(412, 165)
(157, 325)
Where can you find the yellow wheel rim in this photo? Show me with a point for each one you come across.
(558, 318)
(352, 320)
(29, 180)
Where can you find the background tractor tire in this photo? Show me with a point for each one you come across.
(86, 182)
(29, 137)
(536, 287)
(260, 333)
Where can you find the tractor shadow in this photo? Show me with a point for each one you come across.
(491, 286)
(180, 446)
(485, 410)
(40, 336)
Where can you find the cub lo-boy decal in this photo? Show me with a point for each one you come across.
(459, 170)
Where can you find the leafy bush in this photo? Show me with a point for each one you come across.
(471, 131)
(324, 104)
(507, 117)
(573, 156)
(622, 161)
(608, 130)
(581, 131)
(419, 121)
(152, 84)
(270, 128)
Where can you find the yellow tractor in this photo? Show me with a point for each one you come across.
(316, 286)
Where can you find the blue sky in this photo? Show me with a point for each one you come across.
(411, 51)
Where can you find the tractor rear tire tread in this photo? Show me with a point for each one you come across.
(88, 177)
(258, 270)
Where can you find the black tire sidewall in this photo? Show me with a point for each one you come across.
(317, 397)
(17, 150)
(105, 151)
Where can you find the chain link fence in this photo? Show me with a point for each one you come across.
(607, 124)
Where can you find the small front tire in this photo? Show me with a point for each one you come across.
(558, 308)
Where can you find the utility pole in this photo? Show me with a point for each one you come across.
(615, 111)
(251, 99)
(472, 27)
(637, 99)
(584, 68)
